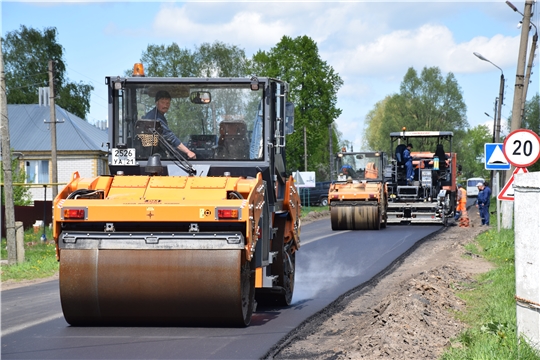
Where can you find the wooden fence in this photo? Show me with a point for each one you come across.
(29, 214)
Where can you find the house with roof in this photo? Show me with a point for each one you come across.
(80, 146)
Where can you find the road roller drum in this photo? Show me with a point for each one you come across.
(156, 287)
(355, 217)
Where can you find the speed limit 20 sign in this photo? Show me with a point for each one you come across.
(522, 147)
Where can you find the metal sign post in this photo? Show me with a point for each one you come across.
(43, 236)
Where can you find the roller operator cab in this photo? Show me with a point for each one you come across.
(168, 240)
(358, 198)
(430, 196)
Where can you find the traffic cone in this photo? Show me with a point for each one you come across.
(464, 219)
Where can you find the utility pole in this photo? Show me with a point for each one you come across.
(494, 175)
(305, 149)
(529, 68)
(499, 106)
(330, 151)
(53, 132)
(519, 96)
(6, 164)
(495, 182)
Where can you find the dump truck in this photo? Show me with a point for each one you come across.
(168, 240)
(358, 198)
(430, 197)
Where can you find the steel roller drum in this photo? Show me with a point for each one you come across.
(155, 287)
(355, 218)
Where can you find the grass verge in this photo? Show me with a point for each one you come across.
(491, 308)
(40, 260)
(307, 209)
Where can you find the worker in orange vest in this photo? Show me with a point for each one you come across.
(462, 202)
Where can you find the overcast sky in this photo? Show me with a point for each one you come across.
(369, 44)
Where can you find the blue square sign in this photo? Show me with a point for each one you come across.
(494, 157)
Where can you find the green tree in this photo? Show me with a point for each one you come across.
(207, 60)
(313, 85)
(531, 121)
(27, 53)
(429, 102)
(221, 60)
(531, 118)
(532, 114)
(168, 61)
(339, 139)
(313, 89)
(21, 194)
(470, 151)
(377, 132)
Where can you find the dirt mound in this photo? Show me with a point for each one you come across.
(406, 314)
(413, 322)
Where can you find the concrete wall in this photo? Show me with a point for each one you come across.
(527, 253)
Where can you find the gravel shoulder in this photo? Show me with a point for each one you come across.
(405, 313)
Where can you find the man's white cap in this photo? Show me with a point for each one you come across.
(479, 184)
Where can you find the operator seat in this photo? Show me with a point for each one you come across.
(233, 143)
(439, 152)
(401, 171)
(399, 154)
(444, 172)
(371, 171)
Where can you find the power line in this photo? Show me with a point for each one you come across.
(89, 78)
(26, 86)
(30, 76)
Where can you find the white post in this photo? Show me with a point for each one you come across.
(527, 255)
(19, 238)
(496, 193)
(507, 214)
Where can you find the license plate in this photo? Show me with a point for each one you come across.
(123, 157)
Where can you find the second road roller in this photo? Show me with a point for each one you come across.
(195, 219)
(358, 199)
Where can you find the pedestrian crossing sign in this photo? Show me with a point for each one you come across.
(494, 157)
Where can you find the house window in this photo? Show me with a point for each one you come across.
(37, 171)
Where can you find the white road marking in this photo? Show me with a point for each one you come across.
(303, 242)
(30, 324)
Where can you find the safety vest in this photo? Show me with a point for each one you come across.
(462, 205)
